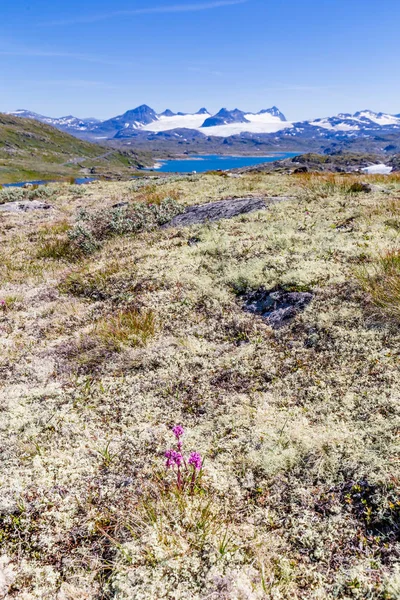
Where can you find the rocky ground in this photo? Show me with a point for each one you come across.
(271, 336)
(336, 162)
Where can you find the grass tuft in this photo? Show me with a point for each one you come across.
(383, 283)
(126, 327)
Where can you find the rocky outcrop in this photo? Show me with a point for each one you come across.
(224, 209)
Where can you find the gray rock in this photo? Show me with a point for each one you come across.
(193, 241)
(120, 205)
(22, 207)
(224, 209)
(376, 188)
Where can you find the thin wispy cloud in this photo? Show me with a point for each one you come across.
(74, 83)
(204, 71)
(28, 52)
(300, 88)
(174, 8)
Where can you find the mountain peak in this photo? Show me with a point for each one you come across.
(225, 117)
(274, 111)
(202, 111)
(142, 112)
(167, 113)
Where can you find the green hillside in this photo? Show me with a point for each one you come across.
(30, 150)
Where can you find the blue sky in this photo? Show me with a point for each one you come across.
(99, 58)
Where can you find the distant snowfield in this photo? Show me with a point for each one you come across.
(325, 124)
(380, 119)
(265, 123)
(377, 170)
(176, 122)
(356, 122)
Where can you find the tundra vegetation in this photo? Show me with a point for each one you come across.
(114, 330)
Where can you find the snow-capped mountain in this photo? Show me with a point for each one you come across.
(132, 119)
(274, 111)
(167, 113)
(222, 124)
(69, 123)
(145, 121)
(226, 117)
(364, 120)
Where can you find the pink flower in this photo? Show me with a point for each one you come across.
(173, 458)
(178, 431)
(195, 460)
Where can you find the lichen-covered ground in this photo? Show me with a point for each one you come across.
(102, 351)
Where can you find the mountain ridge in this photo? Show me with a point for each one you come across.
(144, 116)
(268, 126)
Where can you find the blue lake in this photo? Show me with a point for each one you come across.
(78, 181)
(215, 162)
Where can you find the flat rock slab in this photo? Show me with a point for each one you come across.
(22, 207)
(223, 209)
(277, 307)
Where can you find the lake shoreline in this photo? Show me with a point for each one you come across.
(202, 163)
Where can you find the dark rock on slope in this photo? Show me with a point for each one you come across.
(277, 307)
(224, 117)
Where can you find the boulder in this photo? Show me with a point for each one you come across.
(22, 207)
(223, 209)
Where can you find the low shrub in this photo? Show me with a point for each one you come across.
(134, 218)
(11, 195)
(91, 229)
(18, 194)
(359, 187)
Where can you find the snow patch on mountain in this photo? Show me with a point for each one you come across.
(256, 124)
(381, 119)
(380, 169)
(176, 122)
(365, 119)
(263, 122)
(333, 125)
